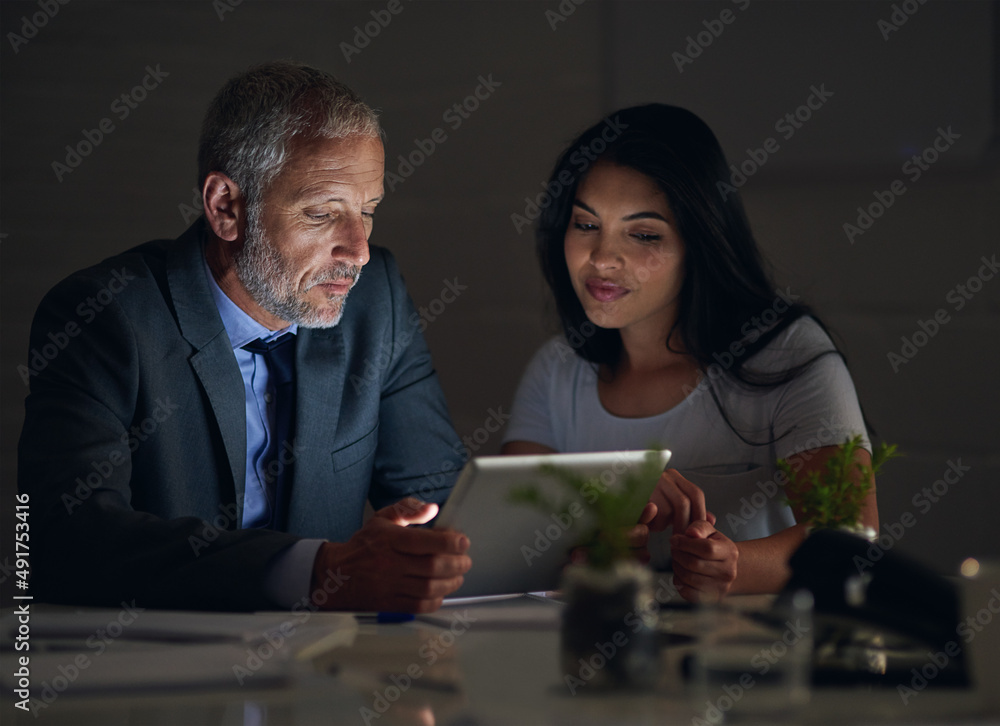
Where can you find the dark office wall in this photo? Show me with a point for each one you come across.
(548, 73)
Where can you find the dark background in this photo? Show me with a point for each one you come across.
(559, 71)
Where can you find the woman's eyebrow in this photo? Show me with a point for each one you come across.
(645, 215)
(627, 218)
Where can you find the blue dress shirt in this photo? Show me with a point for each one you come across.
(290, 573)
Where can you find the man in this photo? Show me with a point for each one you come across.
(209, 433)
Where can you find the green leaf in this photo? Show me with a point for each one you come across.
(836, 497)
(610, 509)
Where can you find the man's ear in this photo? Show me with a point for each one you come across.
(225, 207)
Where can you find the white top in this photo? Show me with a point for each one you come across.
(557, 405)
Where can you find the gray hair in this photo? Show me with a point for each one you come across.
(252, 120)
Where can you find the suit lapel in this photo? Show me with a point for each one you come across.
(213, 361)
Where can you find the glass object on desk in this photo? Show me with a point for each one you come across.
(609, 628)
(741, 666)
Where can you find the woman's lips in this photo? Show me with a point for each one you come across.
(604, 291)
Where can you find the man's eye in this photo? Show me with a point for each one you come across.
(368, 215)
(317, 216)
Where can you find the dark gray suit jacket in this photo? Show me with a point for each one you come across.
(133, 447)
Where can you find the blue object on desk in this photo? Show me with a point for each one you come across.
(394, 617)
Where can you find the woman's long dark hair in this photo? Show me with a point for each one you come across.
(725, 284)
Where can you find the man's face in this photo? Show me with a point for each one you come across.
(305, 252)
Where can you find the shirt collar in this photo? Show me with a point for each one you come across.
(240, 327)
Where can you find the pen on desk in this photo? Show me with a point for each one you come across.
(385, 617)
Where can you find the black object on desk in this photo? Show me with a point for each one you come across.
(888, 607)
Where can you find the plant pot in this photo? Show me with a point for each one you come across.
(609, 637)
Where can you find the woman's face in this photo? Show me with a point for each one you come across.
(625, 257)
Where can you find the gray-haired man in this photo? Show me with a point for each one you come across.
(196, 443)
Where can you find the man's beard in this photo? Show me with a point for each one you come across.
(267, 277)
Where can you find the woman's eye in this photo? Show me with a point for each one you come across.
(585, 226)
(646, 237)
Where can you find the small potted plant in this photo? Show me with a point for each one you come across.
(608, 631)
(833, 499)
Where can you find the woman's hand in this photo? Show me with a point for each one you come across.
(678, 503)
(704, 562)
(638, 536)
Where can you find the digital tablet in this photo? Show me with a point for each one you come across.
(516, 547)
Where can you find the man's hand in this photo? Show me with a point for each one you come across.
(678, 503)
(388, 566)
(704, 562)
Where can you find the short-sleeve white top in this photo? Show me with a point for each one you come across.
(557, 405)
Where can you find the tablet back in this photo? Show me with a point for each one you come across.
(515, 547)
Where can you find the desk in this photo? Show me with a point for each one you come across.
(483, 668)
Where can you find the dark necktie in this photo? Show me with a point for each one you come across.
(279, 355)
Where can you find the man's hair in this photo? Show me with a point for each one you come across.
(253, 119)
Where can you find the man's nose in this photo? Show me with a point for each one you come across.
(353, 246)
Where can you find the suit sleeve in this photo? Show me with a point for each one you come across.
(418, 452)
(76, 456)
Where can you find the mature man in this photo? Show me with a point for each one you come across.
(209, 433)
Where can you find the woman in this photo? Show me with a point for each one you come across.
(674, 336)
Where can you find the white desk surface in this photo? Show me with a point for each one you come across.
(503, 668)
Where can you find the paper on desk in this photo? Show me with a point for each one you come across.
(134, 648)
(136, 623)
(523, 612)
(157, 666)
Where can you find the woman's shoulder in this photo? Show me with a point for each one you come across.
(804, 338)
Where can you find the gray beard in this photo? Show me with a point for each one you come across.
(268, 279)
